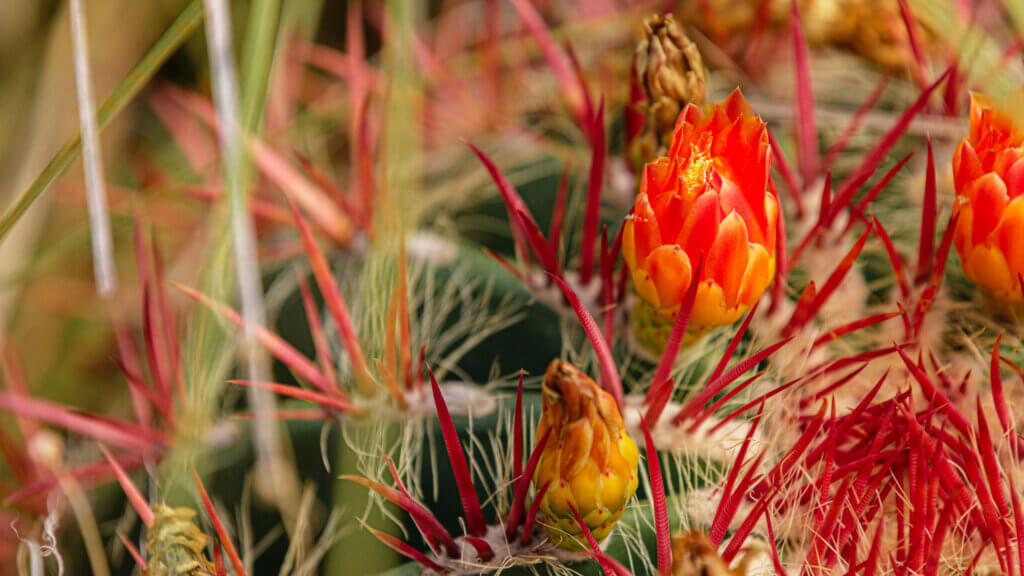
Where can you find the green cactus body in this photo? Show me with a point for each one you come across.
(652, 327)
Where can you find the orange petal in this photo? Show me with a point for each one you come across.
(772, 215)
(966, 166)
(746, 164)
(736, 105)
(733, 200)
(1009, 236)
(988, 198)
(1004, 160)
(671, 273)
(980, 105)
(576, 440)
(727, 260)
(727, 138)
(670, 209)
(646, 233)
(1014, 179)
(629, 243)
(701, 226)
(691, 115)
(709, 309)
(659, 176)
(962, 234)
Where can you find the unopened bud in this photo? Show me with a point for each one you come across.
(671, 74)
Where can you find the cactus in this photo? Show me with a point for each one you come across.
(522, 288)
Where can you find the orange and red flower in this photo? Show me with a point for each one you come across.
(710, 196)
(988, 171)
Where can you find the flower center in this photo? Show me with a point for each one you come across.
(698, 165)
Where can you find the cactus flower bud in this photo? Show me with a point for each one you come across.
(988, 172)
(709, 196)
(872, 29)
(693, 553)
(175, 544)
(588, 462)
(670, 73)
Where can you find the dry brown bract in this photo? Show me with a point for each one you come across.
(176, 544)
(671, 74)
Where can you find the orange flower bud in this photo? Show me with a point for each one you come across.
(589, 463)
(988, 172)
(709, 196)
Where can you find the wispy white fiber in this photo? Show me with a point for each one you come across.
(92, 160)
(225, 93)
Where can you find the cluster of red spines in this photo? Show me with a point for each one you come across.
(443, 547)
(155, 380)
(920, 474)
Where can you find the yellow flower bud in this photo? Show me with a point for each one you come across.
(588, 462)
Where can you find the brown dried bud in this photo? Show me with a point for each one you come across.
(176, 545)
(873, 29)
(694, 555)
(671, 74)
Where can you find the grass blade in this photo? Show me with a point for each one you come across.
(168, 43)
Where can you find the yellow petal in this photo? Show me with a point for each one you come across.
(586, 487)
(710, 309)
(670, 271)
(644, 286)
(757, 277)
(987, 266)
(771, 210)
